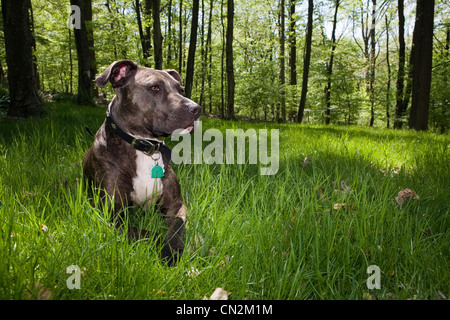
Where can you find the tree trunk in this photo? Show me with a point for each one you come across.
(421, 57)
(400, 106)
(293, 45)
(70, 61)
(90, 34)
(222, 64)
(372, 65)
(192, 47)
(229, 60)
(144, 37)
(388, 88)
(24, 101)
(157, 36)
(282, 62)
(204, 55)
(33, 43)
(180, 42)
(330, 66)
(84, 59)
(306, 62)
(209, 54)
(169, 34)
(445, 105)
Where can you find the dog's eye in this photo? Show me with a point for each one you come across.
(155, 88)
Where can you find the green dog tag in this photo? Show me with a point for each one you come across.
(157, 172)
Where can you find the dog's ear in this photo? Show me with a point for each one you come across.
(118, 73)
(174, 75)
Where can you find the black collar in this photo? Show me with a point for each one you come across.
(147, 146)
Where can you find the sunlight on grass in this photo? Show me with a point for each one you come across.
(308, 232)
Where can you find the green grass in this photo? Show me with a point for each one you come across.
(259, 237)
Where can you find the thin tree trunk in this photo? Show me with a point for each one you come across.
(169, 33)
(372, 64)
(330, 66)
(204, 54)
(444, 105)
(229, 60)
(222, 66)
(209, 51)
(388, 88)
(400, 107)
(293, 45)
(282, 62)
(85, 88)
(422, 55)
(306, 62)
(70, 61)
(192, 47)
(90, 34)
(180, 42)
(144, 37)
(157, 36)
(33, 43)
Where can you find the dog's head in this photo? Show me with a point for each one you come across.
(155, 98)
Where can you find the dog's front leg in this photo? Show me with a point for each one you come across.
(174, 240)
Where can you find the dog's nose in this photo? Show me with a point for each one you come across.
(194, 109)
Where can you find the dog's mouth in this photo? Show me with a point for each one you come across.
(188, 130)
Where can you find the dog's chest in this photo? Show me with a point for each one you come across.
(147, 187)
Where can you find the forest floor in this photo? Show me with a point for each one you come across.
(310, 231)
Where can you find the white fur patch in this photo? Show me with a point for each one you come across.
(146, 189)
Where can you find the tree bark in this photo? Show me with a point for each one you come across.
(229, 60)
(306, 62)
(90, 34)
(222, 63)
(192, 47)
(282, 62)
(204, 55)
(144, 37)
(330, 66)
(24, 100)
(85, 87)
(372, 62)
(157, 36)
(388, 88)
(209, 54)
(400, 106)
(421, 57)
(180, 40)
(169, 33)
(293, 45)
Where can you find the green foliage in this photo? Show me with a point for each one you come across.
(257, 55)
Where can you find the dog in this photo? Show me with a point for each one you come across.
(128, 161)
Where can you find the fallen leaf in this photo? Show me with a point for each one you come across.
(338, 206)
(218, 294)
(406, 194)
(367, 296)
(42, 292)
(343, 205)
